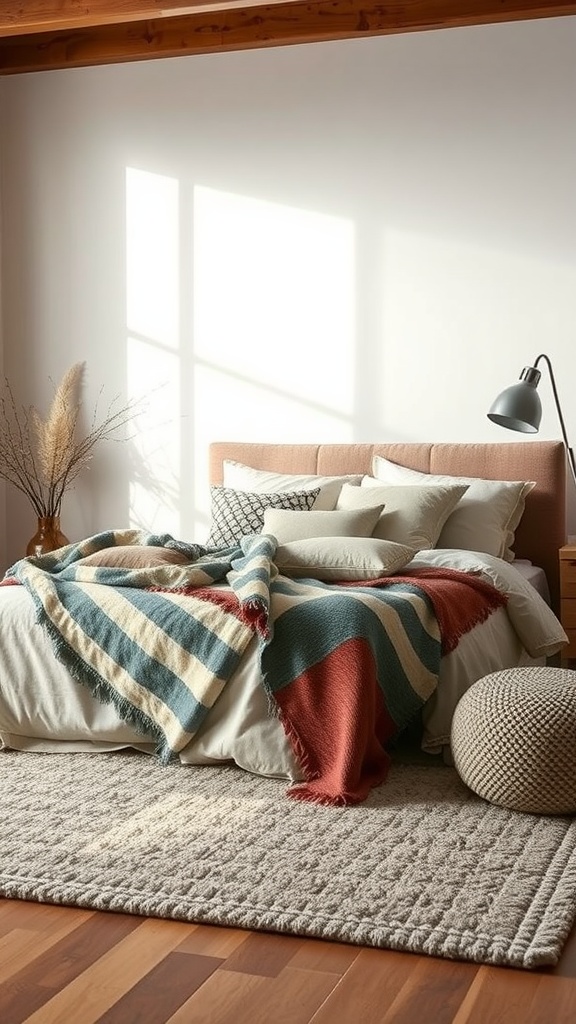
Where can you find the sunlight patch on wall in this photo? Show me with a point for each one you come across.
(274, 323)
(153, 347)
(274, 299)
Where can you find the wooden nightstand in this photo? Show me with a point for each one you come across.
(568, 597)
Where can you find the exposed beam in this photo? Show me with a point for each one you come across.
(217, 26)
(33, 16)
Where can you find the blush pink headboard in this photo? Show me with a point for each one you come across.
(542, 530)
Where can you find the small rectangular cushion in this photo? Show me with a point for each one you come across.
(342, 558)
(484, 519)
(245, 478)
(134, 556)
(236, 513)
(412, 515)
(290, 526)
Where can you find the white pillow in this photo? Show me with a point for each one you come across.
(339, 558)
(412, 515)
(245, 478)
(287, 526)
(486, 516)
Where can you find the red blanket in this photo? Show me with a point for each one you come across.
(349, 667)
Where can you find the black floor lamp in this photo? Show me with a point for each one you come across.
(519, 408)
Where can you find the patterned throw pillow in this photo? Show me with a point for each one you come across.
(236, 513)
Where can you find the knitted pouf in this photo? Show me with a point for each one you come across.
(514, 739)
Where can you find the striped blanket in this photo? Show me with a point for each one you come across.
(346, 667)
(351, 665)
(159, 643)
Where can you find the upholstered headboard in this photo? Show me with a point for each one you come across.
(542, 530)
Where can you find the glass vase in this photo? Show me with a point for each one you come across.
(48, 536)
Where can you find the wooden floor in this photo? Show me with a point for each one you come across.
(63, 964)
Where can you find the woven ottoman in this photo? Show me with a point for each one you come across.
(514, 739)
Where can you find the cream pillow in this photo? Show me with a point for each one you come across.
(287, 526)
(486, 516)
(412, 515)
(342, 558)
(245, 478)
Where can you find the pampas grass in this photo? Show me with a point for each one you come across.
(42, 457)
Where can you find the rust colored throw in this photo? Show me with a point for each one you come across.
(350, 666)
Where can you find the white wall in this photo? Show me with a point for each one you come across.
(362, 240)
(3, 553)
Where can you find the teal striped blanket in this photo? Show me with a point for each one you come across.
(345, 666)
(350, 666)
(158, 642)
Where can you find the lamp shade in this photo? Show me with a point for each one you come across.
(518, 407)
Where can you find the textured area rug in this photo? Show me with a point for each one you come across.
(422, 865)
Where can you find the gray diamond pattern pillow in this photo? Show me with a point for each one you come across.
(236, 513)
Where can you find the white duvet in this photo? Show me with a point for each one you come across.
(42, 708)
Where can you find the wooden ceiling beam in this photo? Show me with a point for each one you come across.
(32, 16)
(218, 26)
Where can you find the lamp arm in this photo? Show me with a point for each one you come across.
(571, 461)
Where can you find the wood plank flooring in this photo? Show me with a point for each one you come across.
(64, 965)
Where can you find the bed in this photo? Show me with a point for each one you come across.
(362, 488)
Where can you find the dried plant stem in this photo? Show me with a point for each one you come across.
(41, 458)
